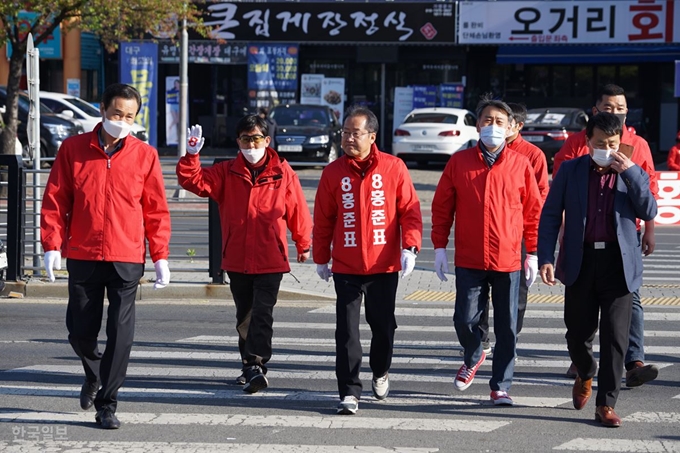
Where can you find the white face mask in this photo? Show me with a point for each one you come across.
(492, 136)
(253, 155)
(603, 157)
(117, 129)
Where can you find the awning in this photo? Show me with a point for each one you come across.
(560, 54)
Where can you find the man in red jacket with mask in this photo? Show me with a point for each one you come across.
(612, 99)
(104, 197)
(367, 208)
(259, 197)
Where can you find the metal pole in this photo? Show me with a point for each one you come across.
(183, 97)
(33, 76)
(382, 106)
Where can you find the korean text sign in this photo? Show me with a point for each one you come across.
(668, 198)
(138, 67)
(331, 21)
(572, 22)
(272, 74)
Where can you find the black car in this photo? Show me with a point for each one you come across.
(306, 132)
(548, 128)
(54, 129)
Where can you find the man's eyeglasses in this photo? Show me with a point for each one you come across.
(354, 135)
(257, 139)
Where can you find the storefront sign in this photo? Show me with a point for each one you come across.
(138, 67)
(209, 52)
(50, 47)
(403, 104)
(333, 95)
(451, 95)
(310, 88)
(569, 22)
(668, 199)
(73, 87)
(424, 96)
(335, 22)
(272, 74)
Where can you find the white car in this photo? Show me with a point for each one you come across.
(434, 134)
(87, 114)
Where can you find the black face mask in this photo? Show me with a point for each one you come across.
(622, 118)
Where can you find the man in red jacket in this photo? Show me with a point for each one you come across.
(492, 194)
(259, 197)
(104, 196)
(367, 208)
(540, 166)
(674, 155)
(612, 99)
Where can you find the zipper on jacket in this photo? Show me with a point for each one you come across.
(108, 163)
(106, 203)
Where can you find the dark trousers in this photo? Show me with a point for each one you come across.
(600, 289)
(379, 292)
(255, 296)
(86, 285)
(521, 305)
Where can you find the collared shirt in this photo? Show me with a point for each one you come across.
(600, 225)
(113, 149)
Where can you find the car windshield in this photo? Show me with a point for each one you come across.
(86, 107)
(300, 116)
(431, 118)
(25, 104)
(547, 119)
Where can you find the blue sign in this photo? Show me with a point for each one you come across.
(424, 96)
(139, 68)
(451, 95)
(272, 74)
(50, 47)
(677, 78)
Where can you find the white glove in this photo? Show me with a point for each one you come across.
(408, 262)
(162, 274)
(52, 261)
(323, 271)
(530, 269)
(195, 140)
(441, 265)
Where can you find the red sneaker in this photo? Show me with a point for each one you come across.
(466, 375)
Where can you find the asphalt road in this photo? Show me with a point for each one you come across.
(179, 395)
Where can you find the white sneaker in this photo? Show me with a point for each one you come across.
(381, 386)
(348, 406)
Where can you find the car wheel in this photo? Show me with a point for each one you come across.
(332, 154)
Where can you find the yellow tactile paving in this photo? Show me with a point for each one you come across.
(449, 296)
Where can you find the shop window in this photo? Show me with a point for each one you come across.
(583, 84)
(561, 81)
(539, 81)
(628, 79)
(606, 74)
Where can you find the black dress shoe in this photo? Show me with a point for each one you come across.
(107, 419)
(87, 394)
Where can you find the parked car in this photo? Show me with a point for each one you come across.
(434, 134)
(88, 115)
(53, 128)
(549, 127)
(306, 132)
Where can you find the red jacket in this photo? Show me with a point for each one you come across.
(253, 216)
(537, 159)
(368, 216)
(100, 208)
(493, 209)
(674, 158)
(576, 145)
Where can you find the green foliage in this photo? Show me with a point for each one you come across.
(191, 253)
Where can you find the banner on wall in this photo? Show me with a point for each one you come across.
(138, 67)
(172, 88)
(333, 95)
(668, 199)
(403, 104)
(49, 48)
(310, 88)
(451, 95)
(272, 74)
(424, 96)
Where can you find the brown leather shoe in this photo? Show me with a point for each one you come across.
(641, 374)
(607, 417)
(572, 372)
(581, 392)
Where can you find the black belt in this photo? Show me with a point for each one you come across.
(600, 245)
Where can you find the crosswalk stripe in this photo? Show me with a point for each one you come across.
(396, 398)
(619, 445)
(424, 344)
(268, 421)
(229, 375)
(654, 417)
(186, 447)
(533, 314)
(189, 447)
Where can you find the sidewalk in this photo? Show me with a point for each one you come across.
(303, 283)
